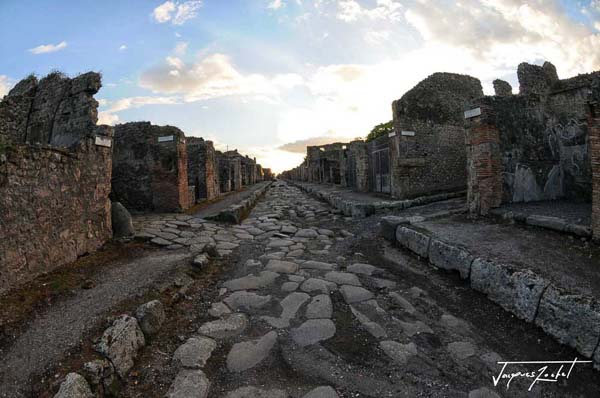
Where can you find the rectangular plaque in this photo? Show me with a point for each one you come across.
(472, 113)
(392, 134)
(166, 138)
(408, 133)
(103, 141)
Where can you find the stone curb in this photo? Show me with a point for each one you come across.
(236, 213)
(361, 210)
(547, 222)
(572, 319)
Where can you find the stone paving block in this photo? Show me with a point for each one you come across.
(322, 392)
(366, 269)
(290, 306)
(313, 331)
(320, 307)
(283, 267)
(319, 285)
(450, 257)
(194, 352)
(189, 384)
(120, 343)
(248, 301)
(388, 226)
(398, 352)
(516, 291)
(248, 354)
(317, 265)
(413, 240)
(253, 392)
(342, 278)
(229, 326)
(572, 319)
(355, 294)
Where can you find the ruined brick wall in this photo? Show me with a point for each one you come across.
(357, 167)
(202, 168)
(54, 204)
(593, 120)
(148, 174)
(225, 173)
(428, 154)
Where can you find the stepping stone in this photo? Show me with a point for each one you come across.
(219, 309)
(410, 329)
(342, 278)
(283, 267)
(306, 233)
(320, 307)
(398, 352)
(290, 305)
(189, 384)
(252, 282)
(373, 328)
(253, 392)
(402, 302)
(290, 286)
(194, 352)
(366, 269)
(383, 283)
(355, 294)
(248, 354)
(313, 284)
(317, 265)
(246, 300)
(460, 350)
(483, 392)
(230, 326)
(280, 243)
(322, 392)
(313, 331)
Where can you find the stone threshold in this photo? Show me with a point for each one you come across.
(548, 222)
(572, 319)
(358, 209)
(236, 213)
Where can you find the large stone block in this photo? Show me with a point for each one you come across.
(573, 319)
(388, 226)
(120, 343)
(516, 291)
(413, 240)
(449, 257)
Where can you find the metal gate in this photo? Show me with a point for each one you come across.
(380, 158)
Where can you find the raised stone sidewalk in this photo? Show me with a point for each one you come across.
(541, 277)
(357, 204)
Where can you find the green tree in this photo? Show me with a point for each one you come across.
(380, 129)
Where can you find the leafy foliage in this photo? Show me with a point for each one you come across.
(380, 130)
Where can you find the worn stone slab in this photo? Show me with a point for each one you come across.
(365, 269)
(450, 257)
(74, 386)
(322, 392)
(320, 307)
(229, 326)
(189, 383)
(120, 343)
(572, 319)
(388, 226)
(455, 324)
(290, 286)
(460, 350)
(306, 233)
(548, 222)
(248, 301)
(194, 353)
(375, 329)
(283, 267)
(290, 306)
(402, 302)
(313, 331)
(248, 354)
(342, 278)
(398, 352)
(413, 328)
(219, 309)
(277, 243)
(355, 294)
(252, 282)
(317, 265)
(319, 285)
(518, 292)
(413, 240)
(253, 392)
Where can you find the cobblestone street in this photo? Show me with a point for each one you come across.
(314, 306)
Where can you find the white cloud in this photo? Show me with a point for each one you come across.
(108, 116)
(211, 77)
(5, 85)
(176, 12)
(123, 47)
(180, 48)
(351, 11)
(48, 48)
(276, 4)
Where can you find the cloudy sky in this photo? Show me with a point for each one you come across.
(269, 76)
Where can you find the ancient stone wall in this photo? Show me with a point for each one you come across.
(357, 167)
(428, 154)
(54, 203)
(150, 167)
(593, 122)
(202, 168)
(542, 141)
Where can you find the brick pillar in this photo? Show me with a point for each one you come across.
(594, 134)
(484, 164)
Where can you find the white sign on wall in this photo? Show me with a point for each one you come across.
(392, 134)
(472, 113)
(166, 138)
(408, 133)
(103, 141)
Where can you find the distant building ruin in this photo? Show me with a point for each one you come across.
(55, 172)
(203, 169)
(150, 166)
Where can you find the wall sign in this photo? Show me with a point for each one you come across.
(166, 138)
(103, 141)
(472, 113)
(392, 134)
(408, 133)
